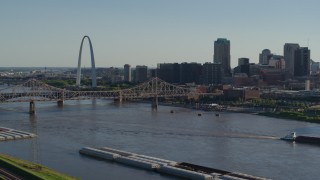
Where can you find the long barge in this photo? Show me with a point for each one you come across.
(301, 139)
(183, 169)
(12, 134)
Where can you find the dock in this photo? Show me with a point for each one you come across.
(182, 169)
(12, 134)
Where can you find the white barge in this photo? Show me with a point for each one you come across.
(183, 170)
(11, 134)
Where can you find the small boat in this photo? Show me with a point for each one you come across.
(171, 111)
(217, 114)
(199, 114)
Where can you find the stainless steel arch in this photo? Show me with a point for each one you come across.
(93, 68)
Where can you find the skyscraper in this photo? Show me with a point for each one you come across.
(314, 67)
(243, 61)
(289, 54)
(190, 73)
(211, 73)
(222, 55)
(244, 65)
(127, 73)
(141, 74)
(302, 62)
(265, 56)
(169, 72)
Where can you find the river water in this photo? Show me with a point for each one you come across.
(234, 142)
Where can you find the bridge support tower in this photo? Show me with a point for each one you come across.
(32, 108)
(197, 106)
(61, 99)
(118, 99)
(60, 103)
(154, 104)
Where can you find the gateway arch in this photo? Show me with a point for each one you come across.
(93, 68)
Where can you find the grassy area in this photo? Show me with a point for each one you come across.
(31, 170)
(301, 116)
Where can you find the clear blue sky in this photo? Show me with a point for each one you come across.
(47, 33)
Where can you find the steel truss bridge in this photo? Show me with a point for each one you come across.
(35, 90)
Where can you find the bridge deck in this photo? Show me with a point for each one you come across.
(35, 90)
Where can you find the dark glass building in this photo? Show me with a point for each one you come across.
(211, 73)
(222, 55)
(190, 73)
(141, 74)
(302, 62)
(169, 72)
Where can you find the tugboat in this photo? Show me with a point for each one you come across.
(290, 137)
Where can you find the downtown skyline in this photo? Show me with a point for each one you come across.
(48, 34)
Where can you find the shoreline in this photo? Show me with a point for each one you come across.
(296, 116)
(289, 115)
(30, 170)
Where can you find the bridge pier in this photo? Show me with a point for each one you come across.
(60, 99)
(119, 99)
(60, 103)
(197, 106)
(32, 107)
(154, 104)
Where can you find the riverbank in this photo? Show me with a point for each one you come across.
(29, 170)
(300, 116)
(269, 112)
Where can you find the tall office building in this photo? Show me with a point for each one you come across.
(141, 74)
(277, 61)
(222, 55)
(211, 73)
(314, 67)
(243, 61)
(127, 73)
(289, 54)
(190, 73)
(169, 72)
(264, 57)
(302, 62)
(243, 66)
